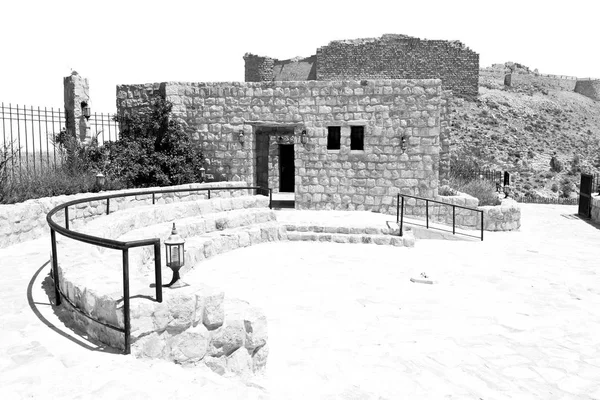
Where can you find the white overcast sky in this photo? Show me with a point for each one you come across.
(126, 41)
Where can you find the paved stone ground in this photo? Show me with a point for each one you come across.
(514, 317)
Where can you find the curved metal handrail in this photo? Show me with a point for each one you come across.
(120, 245)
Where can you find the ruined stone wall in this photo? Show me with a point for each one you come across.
(589, 88)
(215, 113)
(401, 57)
(555, 82)
(257, 68)
(297, 69)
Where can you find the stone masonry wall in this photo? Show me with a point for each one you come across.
(401, 57)
(215, 113)
(589, 88)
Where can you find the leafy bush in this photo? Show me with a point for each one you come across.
(446, 190)
(153, 150)
(554, 188)
(555, 164)
(566, 188)
(481, 189)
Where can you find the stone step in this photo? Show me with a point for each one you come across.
(408, 240)
(345, 230)
(194, 227)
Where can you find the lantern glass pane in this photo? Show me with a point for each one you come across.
(175, 255)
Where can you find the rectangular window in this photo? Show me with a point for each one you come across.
(357, 138)
(333, 138)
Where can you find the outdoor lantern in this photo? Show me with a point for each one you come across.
(202, 174)
(403, 144)
(100, 180)
(241, 136)
(175, 254)
(304, 137)
(87, 113)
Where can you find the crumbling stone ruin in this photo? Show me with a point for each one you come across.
(388, 57)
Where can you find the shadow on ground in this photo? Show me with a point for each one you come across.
(75, 335)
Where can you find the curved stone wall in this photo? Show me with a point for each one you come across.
(27, 221)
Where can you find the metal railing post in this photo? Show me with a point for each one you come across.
(209, 194)
(427, 213)
(270, 199)
(126, 321)
(454, 220)
(398, 208)
(157, 271)
(55, 267)
(482, 226)
(401, 215)
(67, 217)
(107, 206)
(153, 199)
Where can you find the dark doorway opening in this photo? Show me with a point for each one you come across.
(287, 171)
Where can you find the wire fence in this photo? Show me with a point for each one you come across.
(545, 200)
(29, 134)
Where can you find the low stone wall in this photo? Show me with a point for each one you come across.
(504, 217)
(27, 221)
(596, 208)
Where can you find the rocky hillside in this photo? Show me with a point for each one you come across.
(519, 129)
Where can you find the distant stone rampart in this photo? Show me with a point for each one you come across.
(556, 82)
(589, 88)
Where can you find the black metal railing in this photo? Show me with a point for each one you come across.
(120, 245)
(29, 136)
(400, 214)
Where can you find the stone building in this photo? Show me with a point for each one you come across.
(350, 141)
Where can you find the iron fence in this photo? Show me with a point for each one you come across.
(545, 200)
(29, 136)
(484, 174)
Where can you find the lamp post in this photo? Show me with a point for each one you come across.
(175, 254)
(202, 174)
(100, 180)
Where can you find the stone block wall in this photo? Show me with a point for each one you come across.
(138, 98)
(556, 82)
(596, 208)
(401, 57)
(589, 88)
(215, 113)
